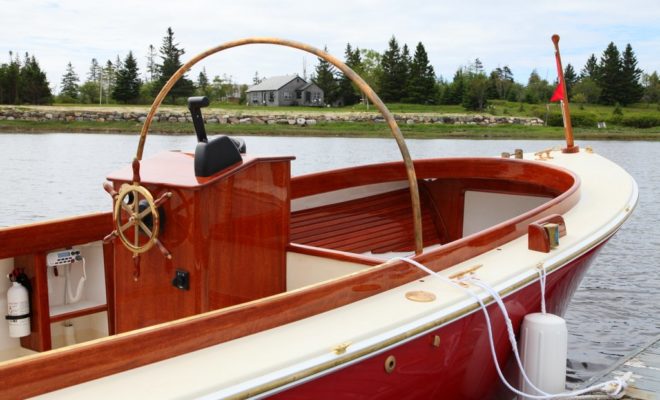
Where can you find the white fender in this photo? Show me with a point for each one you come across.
(544, 345)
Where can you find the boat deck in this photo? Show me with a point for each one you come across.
(645, 367)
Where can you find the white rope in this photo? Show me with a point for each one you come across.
(613, 389)
(542, 275)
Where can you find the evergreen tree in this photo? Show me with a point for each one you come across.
(421, 83)
(203, 85)
(456, 89)
(632, 90)
(127, 86)
(590, 69)
(109, 78)
(609, 75)
(34, 84)
(324, 78)
(404, 70)
(152, 67)
(347, 92)
(70, 83)
(170, 55)
(9, 85)
(94, 74)
(256, 79)
(392, 83)
(571, 79)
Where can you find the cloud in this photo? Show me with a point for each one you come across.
(507, 32)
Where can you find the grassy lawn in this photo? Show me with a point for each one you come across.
(347, 129)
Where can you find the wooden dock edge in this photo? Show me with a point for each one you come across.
(644, 363)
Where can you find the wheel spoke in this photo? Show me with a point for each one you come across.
(127, 225)
(144, 213)
(144, 228)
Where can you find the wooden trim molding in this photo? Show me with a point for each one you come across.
(55, 234)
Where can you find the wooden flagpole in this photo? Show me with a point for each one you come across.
(565, 111)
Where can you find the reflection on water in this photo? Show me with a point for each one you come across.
(57, 175)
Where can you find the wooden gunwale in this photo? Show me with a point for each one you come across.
(43, 373)
(54, 234)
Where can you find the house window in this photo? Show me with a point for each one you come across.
(286, 95)
(298, 94)
(308, 97)
(271, 97)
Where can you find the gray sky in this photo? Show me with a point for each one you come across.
(506, 32)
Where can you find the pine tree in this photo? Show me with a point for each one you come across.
(127, 86)
(590, 69)
(609, 75)
(392, 83)
(10, 91)
(34, 84)
(632, 90)
(324, 78)
(170, 55)
(421, 82)
(109, 78)
(456, 89)
(203, 86)
(152, 68)
(347, 92)
(70, 83)
(571, 78)
(256, 79)
(94, 74)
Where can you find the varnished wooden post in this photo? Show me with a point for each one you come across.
(566, 112)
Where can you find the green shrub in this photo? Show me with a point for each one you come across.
(578, 119)
(640, 121)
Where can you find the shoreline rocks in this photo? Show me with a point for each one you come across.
(241, 117)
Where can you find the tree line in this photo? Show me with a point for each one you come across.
(398, 77)
(395, 74)
(23, 82)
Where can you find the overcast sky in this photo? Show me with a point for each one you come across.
(506, 32)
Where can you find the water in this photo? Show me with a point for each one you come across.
(614, 311)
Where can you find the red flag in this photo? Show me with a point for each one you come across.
(558, 95)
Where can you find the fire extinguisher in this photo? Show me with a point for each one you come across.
(18, 305)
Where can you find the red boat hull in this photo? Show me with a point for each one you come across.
(461, 367)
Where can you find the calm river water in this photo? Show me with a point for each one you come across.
(614, 311)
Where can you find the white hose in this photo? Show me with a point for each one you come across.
(70, 298)
(614, 388)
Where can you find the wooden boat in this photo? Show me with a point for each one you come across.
(239, 281)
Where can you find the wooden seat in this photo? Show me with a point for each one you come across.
(377, 224)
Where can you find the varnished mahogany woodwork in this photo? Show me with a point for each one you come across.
(379, 224)
(79, 313)
(35, 268)
(29, 377)
(109, 269)
(56, 234)
(538, 239)
(228, 231)
(556, 180)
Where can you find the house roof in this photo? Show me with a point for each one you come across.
(306, 86)
(274, 83)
